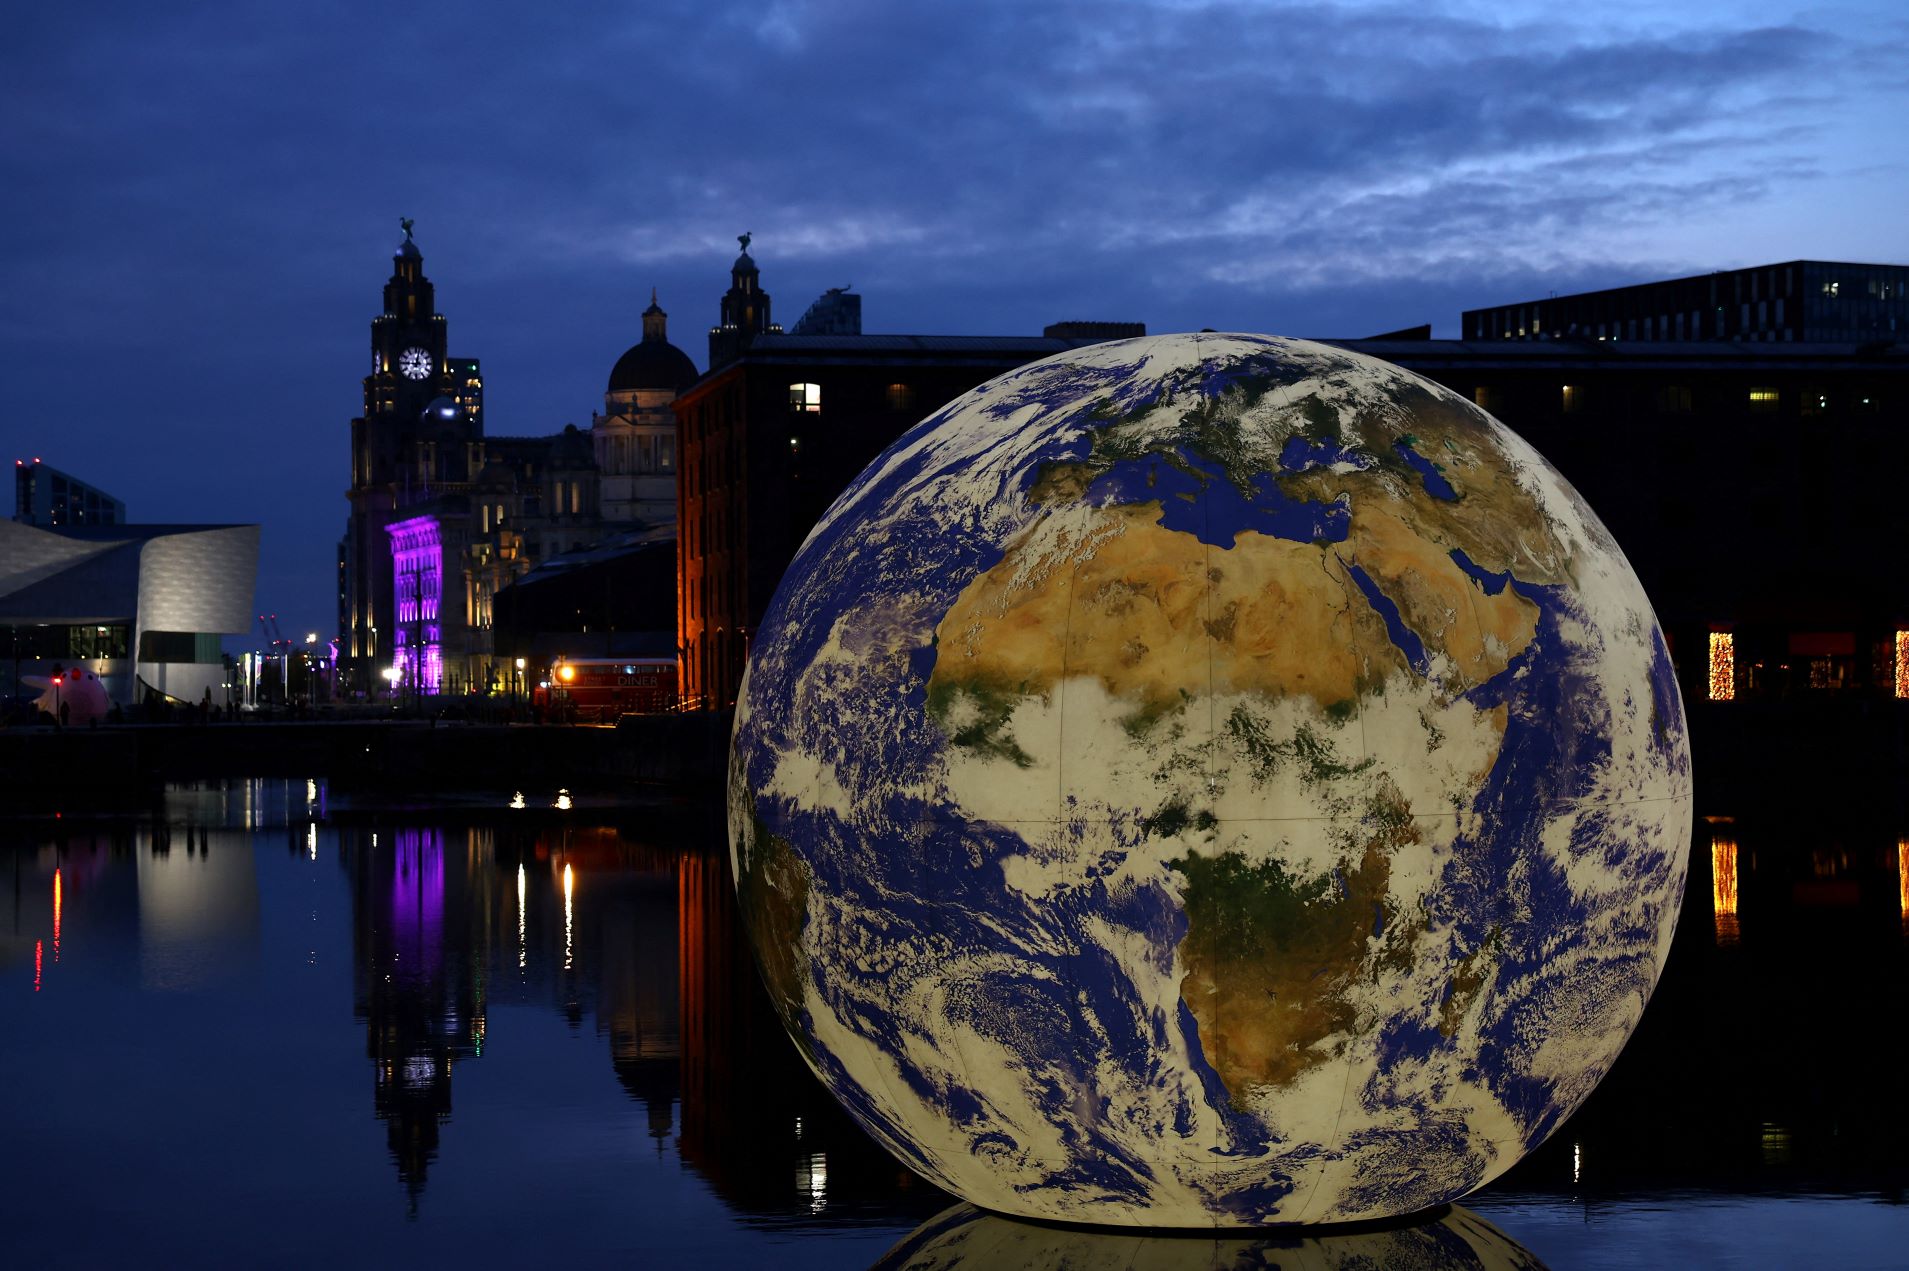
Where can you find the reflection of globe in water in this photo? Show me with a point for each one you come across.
(965, 1239)
(1210, 780)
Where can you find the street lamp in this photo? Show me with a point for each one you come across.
(56, 701)
(516, 685)
(391, 674)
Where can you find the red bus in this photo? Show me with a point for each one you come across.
(597, 690)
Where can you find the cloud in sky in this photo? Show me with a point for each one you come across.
(201, 199)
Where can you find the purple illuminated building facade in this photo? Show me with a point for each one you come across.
(417, 573)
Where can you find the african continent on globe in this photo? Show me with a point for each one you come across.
(1210, 780)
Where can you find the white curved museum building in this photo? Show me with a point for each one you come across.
(141, 606)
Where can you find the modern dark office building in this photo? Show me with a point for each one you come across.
(1800, 301)
(49, 498)
(1752, 486)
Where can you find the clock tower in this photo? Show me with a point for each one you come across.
(420, 439)
(408, 363)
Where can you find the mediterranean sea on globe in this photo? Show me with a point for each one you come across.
(1210, 780)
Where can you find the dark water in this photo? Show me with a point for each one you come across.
(252, 1028)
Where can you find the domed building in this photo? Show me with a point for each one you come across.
(635, 436)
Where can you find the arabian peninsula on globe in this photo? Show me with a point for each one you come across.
(1210, 780)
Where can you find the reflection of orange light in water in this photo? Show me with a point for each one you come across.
(1723, 888)
(56, 915)
(39, 950)
(1902, 877)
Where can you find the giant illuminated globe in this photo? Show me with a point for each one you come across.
(1210, 780)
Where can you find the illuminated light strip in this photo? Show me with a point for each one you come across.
(1902, 665)
(1723, 666)
(57, 907)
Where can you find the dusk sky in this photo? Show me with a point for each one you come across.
(198, 203)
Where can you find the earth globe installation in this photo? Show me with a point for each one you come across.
(1207, 781)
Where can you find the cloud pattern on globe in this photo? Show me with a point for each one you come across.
(1207, 781)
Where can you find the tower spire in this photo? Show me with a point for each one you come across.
(655, 322)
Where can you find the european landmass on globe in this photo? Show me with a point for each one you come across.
(1210, 780)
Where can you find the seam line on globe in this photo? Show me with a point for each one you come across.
(1213, 1179)
(1060, 690)
(1345, 1090)
(1322, 820)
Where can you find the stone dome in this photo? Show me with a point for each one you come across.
(653, 365)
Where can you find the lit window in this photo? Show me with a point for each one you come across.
(1831, 288)
(806, 398)
(1723, 666)
(1573, 398)
(1902, 665)
(1486, 398)
(1815, 402)
(900, 397)
(1764, 400)
(1674, 399)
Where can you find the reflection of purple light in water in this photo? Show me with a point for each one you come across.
(569, 946)
(417, 903)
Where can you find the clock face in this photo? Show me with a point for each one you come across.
(415, 363)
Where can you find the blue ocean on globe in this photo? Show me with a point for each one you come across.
(1206, 781)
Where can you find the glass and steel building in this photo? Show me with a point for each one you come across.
(1799, 301)
(46, 496)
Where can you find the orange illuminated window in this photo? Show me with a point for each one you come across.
(1723, 666)
(806, 398)
(1902, 664)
